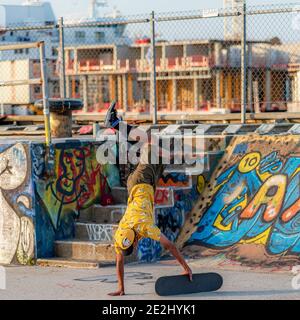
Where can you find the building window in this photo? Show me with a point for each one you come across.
(99, 36)
(18, 51)
(54, 51)
(118, 31)
(56, 89)
(27, 51)
(80, 35)
(77, 87)
(11, 33)
(37, 89)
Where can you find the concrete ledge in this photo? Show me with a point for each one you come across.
(120, 195)
(89, 251)
(63, 263)
(108, 214)
(85, 250)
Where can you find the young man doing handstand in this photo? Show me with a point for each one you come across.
(138, 221)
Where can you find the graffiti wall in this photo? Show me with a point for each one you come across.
(17, 239)
(250, 209)
(43, 192)
(75, 184)
(174, 199)
(247, 209)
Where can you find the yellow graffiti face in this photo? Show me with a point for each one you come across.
(200, 184)
(249, 162)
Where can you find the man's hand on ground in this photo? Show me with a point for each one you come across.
(188, 272)
(167, 244)
(117, 293)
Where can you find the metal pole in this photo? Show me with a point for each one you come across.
(62, 69)
(243, 67)
(45, 92)
(153, 93)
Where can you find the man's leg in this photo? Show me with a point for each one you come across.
(112, 119)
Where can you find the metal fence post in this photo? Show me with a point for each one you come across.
(62, 68)
(45, 92)
(243, 66)
(153, 93)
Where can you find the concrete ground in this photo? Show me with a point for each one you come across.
(93, 284)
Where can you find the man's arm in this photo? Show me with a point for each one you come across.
(167, 244)
(120, 275)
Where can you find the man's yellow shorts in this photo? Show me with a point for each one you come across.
(139, 216)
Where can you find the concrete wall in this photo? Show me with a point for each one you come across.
(249, 209)
(38, 203)
(245, 205)
(17, 214)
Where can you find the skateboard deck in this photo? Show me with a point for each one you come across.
(175, 285)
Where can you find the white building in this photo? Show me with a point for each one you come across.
(40, 13)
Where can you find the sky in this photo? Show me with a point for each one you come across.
(260, 27)
(128, 7)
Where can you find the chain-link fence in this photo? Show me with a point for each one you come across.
(236, 59)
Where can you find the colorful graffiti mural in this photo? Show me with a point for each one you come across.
(172, 204)
(76, 184)
(42, 203)
(175, 180)
(16, 214)
(164, 198)
(251, 207)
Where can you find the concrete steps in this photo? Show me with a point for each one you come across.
(104, 214)
(103, 232)
(75, 264)
(77, 249)
(88, 251)
(93, 245)
(120, 195)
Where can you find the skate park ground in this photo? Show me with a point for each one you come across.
(51, 283)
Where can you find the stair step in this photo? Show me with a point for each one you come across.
(70, 263)
(120, 195)
(87, 250)
(84, 250)
(95, 231)
(108, 214)
(86, 214)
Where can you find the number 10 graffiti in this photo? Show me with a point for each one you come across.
(255, 200)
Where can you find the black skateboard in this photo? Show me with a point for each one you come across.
(174, 285)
